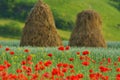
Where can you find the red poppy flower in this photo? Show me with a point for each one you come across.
(59, 65)
(64, 70)
(85, 52)
(18, 70)
(95, 76)
(80, 75)
(48, 63)
(91, 71)
(118, 77)
(40, 62)
(3, 74)
(34, 77)
(71, 66)
(12, 77)
(71, 59)
(24, 67)
(29, 58)
(2, 67)
(55, 71)
(65, 65)
(85, 63)
(92, 76)
(37, 67)
(12, 53)
(82, 57)
(115, 64)
(7, 64)
(104, 69)
(118, 70)
(22, 77)
(23, 62)
(78, 53)
(105, 77)
(109, 60)
(50, 55)
(7, 49)
(118, 59)
(29, 70)
(61, 48)
(67, 47)
(42, 67)
(46, 75)
(26, 50)
(73, 77)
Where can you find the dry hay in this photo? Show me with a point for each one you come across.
(88, 30)
(40, 29)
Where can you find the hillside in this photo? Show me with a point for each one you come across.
(68, 9)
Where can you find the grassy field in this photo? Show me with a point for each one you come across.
(67, 10)
(15, 43)
(63, 62)
(104, 62)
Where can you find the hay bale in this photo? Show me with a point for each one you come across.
(40, 29)
(87, 32)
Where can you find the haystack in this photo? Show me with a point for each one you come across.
(40, 29)
(88, 30)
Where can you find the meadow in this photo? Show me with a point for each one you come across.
(59, 63)
(64, 13)
(63, 62)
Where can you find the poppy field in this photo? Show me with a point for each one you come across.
(59, 63)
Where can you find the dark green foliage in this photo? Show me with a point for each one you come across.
(13, 9)
(11, 29)
(116, 0)
(6, 7)
(61, 23)
(116, 4)
(21, 10)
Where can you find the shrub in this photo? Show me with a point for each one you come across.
(15, 10)
(62, 23)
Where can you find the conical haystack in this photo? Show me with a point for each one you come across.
(87, 32)
(40, 28)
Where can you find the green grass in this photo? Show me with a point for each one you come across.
(7, 21)
(4, 38)
(15, 43)
(64, 34)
